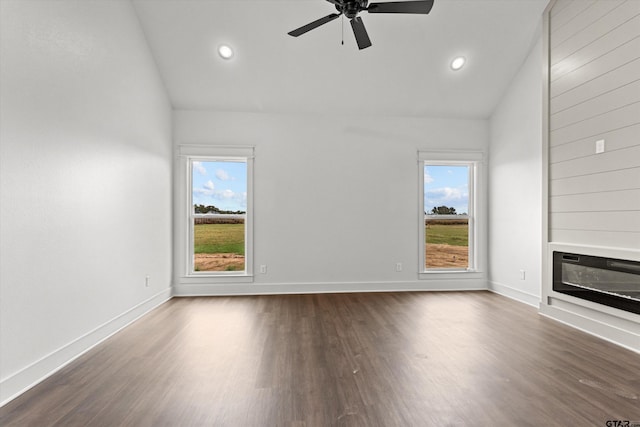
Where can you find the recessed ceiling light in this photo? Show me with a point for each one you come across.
(457, 63)
(225, 51)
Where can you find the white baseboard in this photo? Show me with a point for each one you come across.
(616, 331)
(217, 289)
(21, 381)
(515, 294)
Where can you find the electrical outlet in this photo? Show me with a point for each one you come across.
(398, 266)
(146, 281)
(600, 146)
(263, 269)
(523, 274)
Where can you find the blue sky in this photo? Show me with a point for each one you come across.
(224, 185)
(446, 185)
(221, 184)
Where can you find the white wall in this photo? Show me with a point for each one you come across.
(515, 176)
(85, 182)
(336, 198)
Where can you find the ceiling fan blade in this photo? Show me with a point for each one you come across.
(362, 38)
(423, 7)
(336, 2)
(315, 24)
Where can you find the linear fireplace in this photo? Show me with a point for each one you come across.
(608, 281)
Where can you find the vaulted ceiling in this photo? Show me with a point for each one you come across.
(405, 73)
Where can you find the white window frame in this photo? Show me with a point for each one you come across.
(473, 160)
(187, 154)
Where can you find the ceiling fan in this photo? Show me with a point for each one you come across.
(351, 9)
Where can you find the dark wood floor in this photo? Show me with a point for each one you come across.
(391, 359)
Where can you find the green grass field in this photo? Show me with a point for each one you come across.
(454, 234)
(229, 238)
(218, 239)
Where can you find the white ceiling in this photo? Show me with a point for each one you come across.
(405, 73)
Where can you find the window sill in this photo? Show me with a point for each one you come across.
(450, 274)
(203, 279)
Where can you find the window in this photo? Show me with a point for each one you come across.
(448, 231)
(218, 215)
(213, 226)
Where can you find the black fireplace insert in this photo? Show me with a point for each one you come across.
(609, 281)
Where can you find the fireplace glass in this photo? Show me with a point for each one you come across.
(607, 281)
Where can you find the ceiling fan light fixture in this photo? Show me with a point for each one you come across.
(225, 51)
(458, 63)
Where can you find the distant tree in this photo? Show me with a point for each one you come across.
(202, 209)
(443, 210)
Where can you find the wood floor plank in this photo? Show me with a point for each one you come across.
(367, 359)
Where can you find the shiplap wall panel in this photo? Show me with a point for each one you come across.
(594, 93)
(622, 75)
(613, 59)
(590, 126)
(589, 53)
(593, 51)
(615, 140)
(593, 24)
(559, 7)
(608, 201)
(612, 239)
(612, 100)
(628, 179)
(582, 15)
(604, 162)
(597, 221)
(568, 11)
